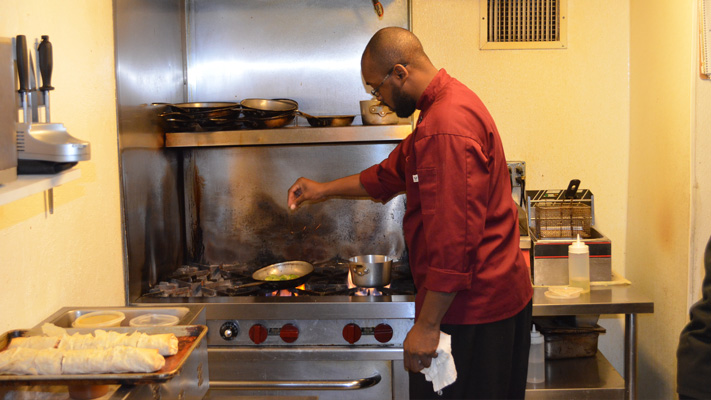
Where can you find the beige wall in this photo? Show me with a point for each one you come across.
(700, 179)
(662, 71)
(73, 257)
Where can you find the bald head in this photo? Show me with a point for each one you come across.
(396, 66)
(394, 45)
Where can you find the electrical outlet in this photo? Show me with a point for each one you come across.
(517, 173)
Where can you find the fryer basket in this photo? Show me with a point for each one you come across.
(564, 214)
(563, 219)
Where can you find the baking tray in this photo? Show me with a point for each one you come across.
(563, 339)
(189, 337)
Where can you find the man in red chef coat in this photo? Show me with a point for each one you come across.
(460, 223)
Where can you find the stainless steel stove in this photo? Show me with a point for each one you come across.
(325, 338)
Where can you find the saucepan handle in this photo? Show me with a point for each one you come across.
(360, 269)
(378, 109)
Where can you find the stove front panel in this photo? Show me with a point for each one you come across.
(315, 332)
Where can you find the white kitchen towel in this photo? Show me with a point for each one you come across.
(442, 371)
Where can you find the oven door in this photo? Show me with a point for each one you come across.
(341, 373)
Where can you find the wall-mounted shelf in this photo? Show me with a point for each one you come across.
(290, 136)
(27, 185)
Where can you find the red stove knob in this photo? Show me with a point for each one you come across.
(258, 333)
(383, 333)
(289, 333)
(352, 333)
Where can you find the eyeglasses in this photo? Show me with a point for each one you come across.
(376, 90)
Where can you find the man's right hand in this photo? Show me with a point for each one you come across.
(306, 189)
(302, 190)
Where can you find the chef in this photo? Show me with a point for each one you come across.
(460, 224)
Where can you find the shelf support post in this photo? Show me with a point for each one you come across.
(631, 356)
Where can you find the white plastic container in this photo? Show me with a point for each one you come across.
(536, 358)
(154, 320)
(99, 319)
(579, 265)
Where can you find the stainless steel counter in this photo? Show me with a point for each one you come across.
(592, 377)
(586, 378)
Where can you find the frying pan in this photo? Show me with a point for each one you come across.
(261, 108)
(272, 122)
(300, 268)
(199, 107)
(327, 120)
(268, 113)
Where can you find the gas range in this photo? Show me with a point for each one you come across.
(330, 278)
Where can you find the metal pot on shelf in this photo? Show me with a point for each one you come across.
(374, 112)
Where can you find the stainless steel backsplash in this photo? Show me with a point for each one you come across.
(228, 204)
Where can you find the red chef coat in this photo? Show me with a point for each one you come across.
(461, 222)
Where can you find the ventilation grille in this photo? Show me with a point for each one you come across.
(523, 24)
(20, 141)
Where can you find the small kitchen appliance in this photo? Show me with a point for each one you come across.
(555, 218)
(8, 149)
(42, 146)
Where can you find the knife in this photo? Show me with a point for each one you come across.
(22, 71)
(378, 8)
(45, 66)
(32, 91)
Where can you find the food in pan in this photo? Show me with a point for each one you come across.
(276, 277)
(115, 359)
(29, 361)
(51, 361)
(35, 342)
(166, 344)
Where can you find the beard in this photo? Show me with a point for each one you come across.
(403, 105)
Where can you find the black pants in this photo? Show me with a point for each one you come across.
(491, 360)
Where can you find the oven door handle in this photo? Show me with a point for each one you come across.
(356, 384)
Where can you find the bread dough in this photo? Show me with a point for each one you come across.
(115, 359)
(119, 359)
(166, 343)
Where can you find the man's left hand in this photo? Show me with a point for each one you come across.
(420, 347)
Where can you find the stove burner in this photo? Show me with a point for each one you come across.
(330, 278)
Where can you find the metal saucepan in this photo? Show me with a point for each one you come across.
(302, 269)
(370, 270)
(327, 120)
(374, 112)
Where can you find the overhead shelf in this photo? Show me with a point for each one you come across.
(289, 135)
(27, 185)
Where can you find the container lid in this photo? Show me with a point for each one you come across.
(99, 319)
(536, 337)
(154, 320)
(563, 292)
(578, 247)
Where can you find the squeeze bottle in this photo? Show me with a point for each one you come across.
(579, 265)
(536, 358)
